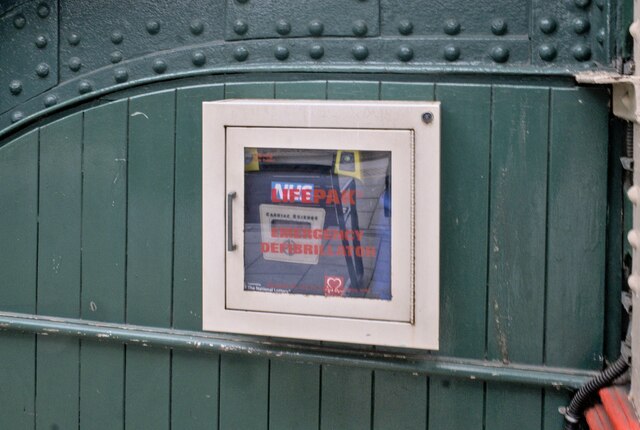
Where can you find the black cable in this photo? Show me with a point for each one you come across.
(579, 401)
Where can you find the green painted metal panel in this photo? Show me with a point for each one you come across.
(301, 90)
(244, 393)
(465, 137)
(455, 404)
(147, 395)
(101, 386)
(517, 228)
(346, 398)
(57, 387)
(249, 90)
(18, 223)
(513, 407)
(104, 206)
(353, 90)
(18, 268)
(407, 91)
(150, 205)
(576, 228)
(400, 401)
(194, 391)
(187, 243)
(18, 376)
(294, 396)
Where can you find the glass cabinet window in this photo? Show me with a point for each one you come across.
(318, 222)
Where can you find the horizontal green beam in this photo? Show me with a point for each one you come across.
(307, 353)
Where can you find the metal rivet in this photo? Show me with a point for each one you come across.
(75, 64)
(240, 27)
(117, 37)
(427, 117)
(15, 87)
(581, 52)
(159, 66)
(405, 27)
(16, 116)
(42, 70)
(359, 28)
(581, 25)
(116, 57)
(43, 10)
(601, 36)
(547, 52)
(41, 42)
(19, 21)
(316, 52)
(499, 54)
(451, 27)
(316, 28)
(196, 27)
(50, 100)
(634, 282)
(360, 52)
(121, 75)
(547, 25)
(84, 87)
(498, 26)
(240, 53)
(451, 53)
(634, 239)
(283, 27)
(73, 39)
(198, 58)
(281, 52)
(153, 27)
(405, 53)
(582, 3)
(242, 1)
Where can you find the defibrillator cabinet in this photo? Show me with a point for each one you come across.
(318, 223)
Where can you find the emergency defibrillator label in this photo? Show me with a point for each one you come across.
(318, 222)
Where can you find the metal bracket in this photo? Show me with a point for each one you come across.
(626, 92)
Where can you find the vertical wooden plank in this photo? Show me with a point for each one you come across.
(150, 209)
(346, 398)
(244, 392)
(147, 398)
(18, 257)
(194, 390)
(306, 90)
(407, 91)
(353, 90)
(104, 212)
(187, 275)
(103, 262)
(60, 205)
(149, 254)
(511, 406)
(576, 228)
(464, 217)
(400, 401)
(19, 224)
(244, 381)
(518, 224)
(194, 386)
(294, 396)
(446, 397)
(101, 386)
(553, 400)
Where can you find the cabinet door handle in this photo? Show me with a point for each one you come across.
(230, 245)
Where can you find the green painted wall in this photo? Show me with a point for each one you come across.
(100, 219)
